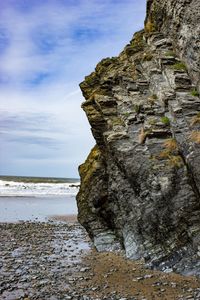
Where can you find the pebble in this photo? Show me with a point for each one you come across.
(44, 261)
(38, 260)
(84, 269)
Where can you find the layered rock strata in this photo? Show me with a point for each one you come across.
(140, 185)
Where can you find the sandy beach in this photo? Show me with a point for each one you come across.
(55, 260)
(39, 208)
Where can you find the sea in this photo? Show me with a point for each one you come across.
(37, 198)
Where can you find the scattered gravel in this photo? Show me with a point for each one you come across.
(55, 261)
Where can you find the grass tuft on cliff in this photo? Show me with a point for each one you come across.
(165, 120)
(171, 154)
(180, 66)
(195, 137)
(137, 44)
(195, 120)
(171, 145)
(195, 93)
(150, 26)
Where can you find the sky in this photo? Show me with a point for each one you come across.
(46, 49)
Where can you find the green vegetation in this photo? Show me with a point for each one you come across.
(150, 26)
(105, 63)
(137, 108)
(136, 44)
(152, 121)
(127, 114)
(165, 120)
(170, 53)
(102, 66)
(147, 56)
(154, 97)
(180, 66)
(88, 171)
(117, 121)
(195, 93)
(90, 79)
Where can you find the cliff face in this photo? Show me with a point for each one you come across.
(179, 20)
(140, 185)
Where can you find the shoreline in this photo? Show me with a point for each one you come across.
(49, 219)
(55, 260)
(13, 209)
(64, 218)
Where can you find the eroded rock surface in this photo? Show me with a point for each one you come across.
(140, 185)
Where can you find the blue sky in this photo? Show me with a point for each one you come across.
(46, 49)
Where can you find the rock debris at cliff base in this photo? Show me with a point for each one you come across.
(54, 261)
(140, 185)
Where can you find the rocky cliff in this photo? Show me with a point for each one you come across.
(140, 185)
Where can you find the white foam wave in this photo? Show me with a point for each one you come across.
(12, 188)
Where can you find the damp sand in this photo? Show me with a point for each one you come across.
(36, 208)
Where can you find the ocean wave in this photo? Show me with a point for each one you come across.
(13, 188)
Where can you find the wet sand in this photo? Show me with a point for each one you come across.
(55, 260)
(64, 218)
(40, 208)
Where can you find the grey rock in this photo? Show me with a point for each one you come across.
(140, 185)
(106, 241)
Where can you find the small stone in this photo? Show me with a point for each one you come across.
(169, 270)
(84, 269)
(148, 276)
(173, 284)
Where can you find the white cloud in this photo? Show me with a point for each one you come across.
(47, 50)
